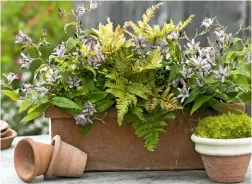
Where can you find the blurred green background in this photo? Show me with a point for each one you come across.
(30, 17)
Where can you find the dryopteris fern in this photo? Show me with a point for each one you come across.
(149, 126)
(165, 99)
(126, 93)
(153, 61)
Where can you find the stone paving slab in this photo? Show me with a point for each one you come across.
(8, 174)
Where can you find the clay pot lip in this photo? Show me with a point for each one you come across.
(210, 141)
(12, 136)
(33, 175)
(5, 133)
(56, 142)
(4, 125)
(222, 147)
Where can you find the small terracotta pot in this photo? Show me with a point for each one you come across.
(237, 108)
(67, 160)
(225, 160)
(5, 132)
(31, 159)
(3, 126)
(8, 139)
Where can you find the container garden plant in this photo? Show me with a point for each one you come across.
(224, 143)
(136, 74)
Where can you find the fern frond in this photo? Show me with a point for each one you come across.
(153, 61)
(181, 25)
(138, 112)
(139, 90)
(150, 12)
(149, 131)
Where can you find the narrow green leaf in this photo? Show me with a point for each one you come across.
(35, 113)
(11, 94)
(199, 101)
(69, 24)
(65, 103)
(95, 97)
(25, 104)
(103, 105)
(71, 43)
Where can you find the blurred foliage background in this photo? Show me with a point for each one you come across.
(30, 17)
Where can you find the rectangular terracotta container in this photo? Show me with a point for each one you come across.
(110, 147)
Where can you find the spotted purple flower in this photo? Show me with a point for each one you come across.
(193, 46)
(21, 37)
(73, 82)
(173, 36)
(221, 36)
(96, 60)
(183, 93)
(25, 61)
(10, 77)
(81, 9)
(93, 4)
(222, 73)
(27, 89)
(87, 114)
(139, 42)
(207, 22)
(60, 50)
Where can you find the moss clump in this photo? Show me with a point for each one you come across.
(226, 126)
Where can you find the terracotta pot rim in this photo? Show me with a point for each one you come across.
(222, 147)
(56, 142)
(4, 125)
(12, 136)
(33, 175)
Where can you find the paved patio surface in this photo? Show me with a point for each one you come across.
(8, 174)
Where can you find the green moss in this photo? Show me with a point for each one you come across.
(226, 126)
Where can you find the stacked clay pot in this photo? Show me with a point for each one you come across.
(7, 135)
(33, 159)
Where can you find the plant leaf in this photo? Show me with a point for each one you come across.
(104, 105)
(96, 96)
(65, 103)
(69, 24)
(11, 94)
(199, 101)
(71, 43)
(25, 104)
(170, 116)
(35, 113)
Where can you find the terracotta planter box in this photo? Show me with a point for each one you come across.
(110, 147)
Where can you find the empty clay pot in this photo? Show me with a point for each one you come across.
(67, 160)
(31, 159)
(5, 132)
(3, 125)
(8, 139)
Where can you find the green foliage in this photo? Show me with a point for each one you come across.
(226, 126)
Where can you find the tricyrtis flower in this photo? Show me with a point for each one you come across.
(91, 43)
(73, 82)
(173, 36)
(10, 77)
(21, 37)
(202, 65)
(27, 89)
(186, 72)
(139, 42)
(86, 115)
(81, 9)
(60, 50)
(52, 75)
(207, 53)
(183, 93)
(208, 22)
(221, 36)
(25, 61)
(42, 91)
(96, 60)
(222, 73)
(93, 5)
(192, 46)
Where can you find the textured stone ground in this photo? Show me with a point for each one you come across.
(9, 176)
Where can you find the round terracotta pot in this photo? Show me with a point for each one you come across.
(5, 132)
(67, 160)
(237, 108)
(3, 126)
(31, 159)
(7, 140)
(225, 160)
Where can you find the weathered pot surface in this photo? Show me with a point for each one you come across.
(175, 150)
(8, 139)
(5, 132)
(225, 160)
(67, 161)
(31, 159)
